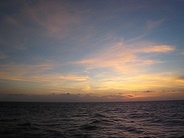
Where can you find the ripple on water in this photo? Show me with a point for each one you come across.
(99, 120)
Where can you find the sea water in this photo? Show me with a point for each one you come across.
(92, 120)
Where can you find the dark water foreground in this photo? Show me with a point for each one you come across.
(92, 120)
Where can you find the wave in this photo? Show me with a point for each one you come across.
(90, 120)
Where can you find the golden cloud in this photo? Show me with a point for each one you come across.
(74, 77)
(157, 49)
(122, 58)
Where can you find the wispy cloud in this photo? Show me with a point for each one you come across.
(3, 56)
(152, 24)
(26, 68)
(149, 27)
(124, 58)
(34, 72)
(157, 49)
(10, 20)
(43, 75)
(180, 80)
(136, 81)
(125, 66)
(13, 71)
(74, 77)
(55, 19)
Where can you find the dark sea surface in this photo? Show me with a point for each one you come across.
(92, 120)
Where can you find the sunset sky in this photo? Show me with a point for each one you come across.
(91, 50)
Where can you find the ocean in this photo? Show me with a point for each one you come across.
(157, 119)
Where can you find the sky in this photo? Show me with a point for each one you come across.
(91, 50)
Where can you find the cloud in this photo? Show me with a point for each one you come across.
(74, 77)
(55, 19)
(27, 68)
(149, 27)
(113, 68)
(179, 80)
(35, 72)
(124, 58)
(157, 49)
(13, 71)
(41, 76)
(11, 21)
(152, 24)
(3, 56)
(155, 81)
